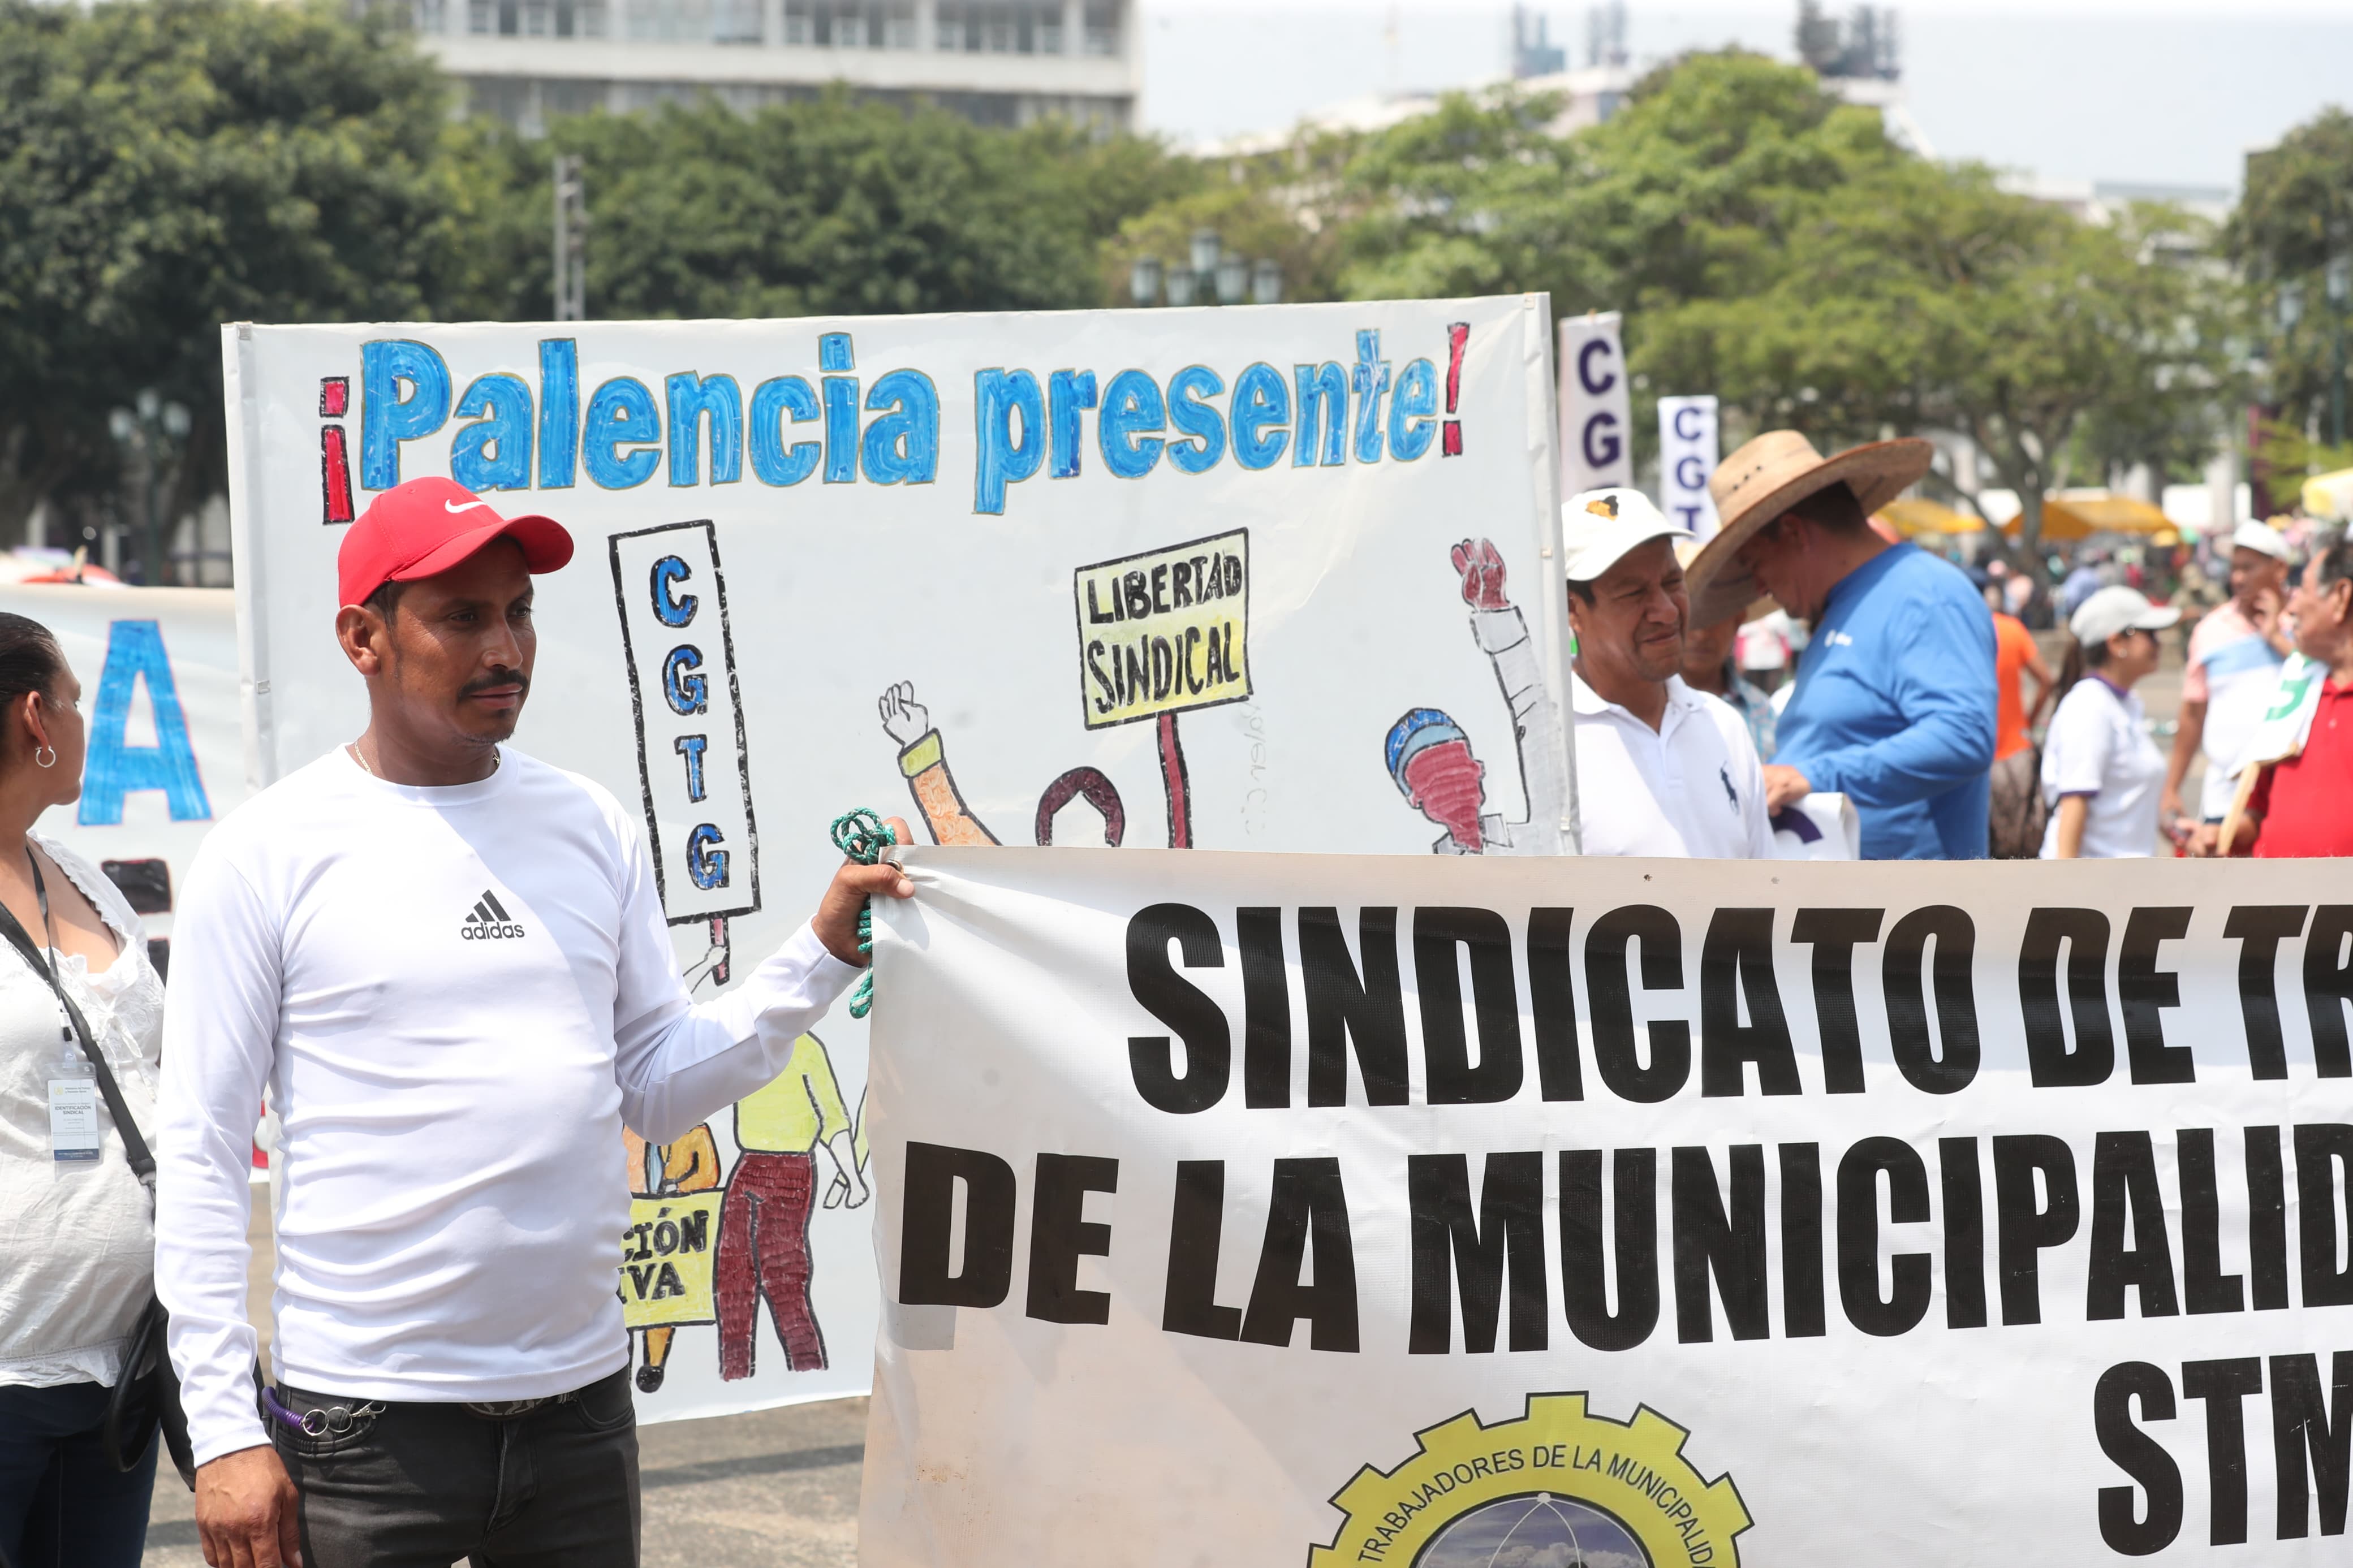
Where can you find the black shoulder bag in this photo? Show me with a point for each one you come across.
(146, 1393)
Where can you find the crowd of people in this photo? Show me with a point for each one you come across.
(420, 1410)
(1909, 691)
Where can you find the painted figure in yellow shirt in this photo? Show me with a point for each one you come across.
(763, 1249)
(689, 1166)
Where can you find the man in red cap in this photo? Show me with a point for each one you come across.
(446, 965)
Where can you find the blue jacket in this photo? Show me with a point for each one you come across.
(1894, 707)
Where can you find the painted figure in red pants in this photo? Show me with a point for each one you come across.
(763, 1249)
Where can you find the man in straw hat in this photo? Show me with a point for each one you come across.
(1895, 702)
(1663, 770)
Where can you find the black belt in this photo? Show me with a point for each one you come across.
(337, 1419)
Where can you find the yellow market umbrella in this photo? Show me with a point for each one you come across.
(1917, 516)
(2330, 495)
(2080, 517)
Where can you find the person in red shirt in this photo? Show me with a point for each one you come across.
(2017, 809)
(2303, 806)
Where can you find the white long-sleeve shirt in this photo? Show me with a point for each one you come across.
(454, 998)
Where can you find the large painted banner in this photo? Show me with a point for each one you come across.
(165, 752)
(1273, 1212)
(1236, 578)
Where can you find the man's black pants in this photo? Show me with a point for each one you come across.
(425, 1486)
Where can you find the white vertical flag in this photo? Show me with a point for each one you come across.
(1687, 456)
(1596, 409)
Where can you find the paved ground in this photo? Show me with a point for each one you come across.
(773, 1490)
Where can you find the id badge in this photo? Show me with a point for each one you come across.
(74, 1132)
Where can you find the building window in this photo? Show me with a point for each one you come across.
(850, 24)
(561, 97)
(677, 22)
(993, 26)
(1102, 29)
(736, 22)
(478, 15)
(538, 18)
(429, 16)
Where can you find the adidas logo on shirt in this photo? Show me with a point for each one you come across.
(488, 920)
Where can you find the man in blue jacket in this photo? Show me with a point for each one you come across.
(1895, 702)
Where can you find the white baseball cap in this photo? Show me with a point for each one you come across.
(2119, 609)
(2262, 538)
(1598, 527)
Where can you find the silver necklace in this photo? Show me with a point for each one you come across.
(359, 757)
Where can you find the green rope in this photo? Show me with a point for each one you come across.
(862, 836)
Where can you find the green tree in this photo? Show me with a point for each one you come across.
(2295, 216)
(1768, 243)
(167, 165)
(1921, 297)
(827, 205)
(1691, 194)
(1472, 199)
(1251, 221)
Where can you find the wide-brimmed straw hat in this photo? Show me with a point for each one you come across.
(1769, 476)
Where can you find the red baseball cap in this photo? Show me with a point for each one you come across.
(428, 525)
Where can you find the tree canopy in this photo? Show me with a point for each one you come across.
(1771, 244)
(171, 165)
(166, 165)
(2296, 214)
(823, 206)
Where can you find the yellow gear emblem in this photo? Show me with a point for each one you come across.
(1557, 1487)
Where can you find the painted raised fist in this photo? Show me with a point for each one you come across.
(1482, 575)
(905, 720)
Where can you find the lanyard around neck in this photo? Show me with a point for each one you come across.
(49, 931)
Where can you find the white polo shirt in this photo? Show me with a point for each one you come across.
(1692, 788)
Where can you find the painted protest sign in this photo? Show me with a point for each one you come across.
(666, 1279)
(166, 747)
(670, 598)
(1395, 1211)
(1687, 457)
(829, 563)
(1164, 633)
(1597, 410)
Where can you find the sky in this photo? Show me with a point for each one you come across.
(2170, 92)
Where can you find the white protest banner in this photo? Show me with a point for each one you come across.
(1273, 578)
(1597, 410)
(1686, 457)
(1269, 1211)
(166, 749)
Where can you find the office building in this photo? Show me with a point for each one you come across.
(997, 62)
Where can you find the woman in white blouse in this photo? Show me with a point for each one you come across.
(76, 1230)
(2102, 774)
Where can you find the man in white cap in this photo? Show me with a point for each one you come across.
(2235, 661)
(1661, 769)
